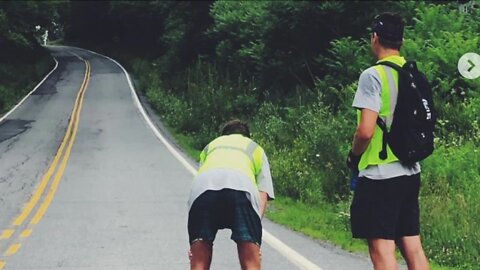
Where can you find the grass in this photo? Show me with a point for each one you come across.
(326, 223)
(185, 143)
(319, 222)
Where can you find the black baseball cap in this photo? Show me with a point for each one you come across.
(388, 26)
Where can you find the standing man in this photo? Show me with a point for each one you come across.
(385, 208)
(231, 191)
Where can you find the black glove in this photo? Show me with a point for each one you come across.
(352, 161)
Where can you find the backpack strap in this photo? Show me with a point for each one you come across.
(383, 154)
(383, 126)
(390, 64)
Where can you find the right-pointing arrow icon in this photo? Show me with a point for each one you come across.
(469, 65)
(472, 65)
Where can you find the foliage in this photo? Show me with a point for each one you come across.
(20, 52)
(308, 143)
(205, 92)
(278, 42)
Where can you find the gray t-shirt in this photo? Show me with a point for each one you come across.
(368, 96)
(218, 179)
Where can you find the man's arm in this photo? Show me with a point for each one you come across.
(367, 99)
(265, 185)
(365, 131)
(263, 202)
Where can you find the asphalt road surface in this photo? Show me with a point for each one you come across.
(86, 182)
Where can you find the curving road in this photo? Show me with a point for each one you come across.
(86, 182)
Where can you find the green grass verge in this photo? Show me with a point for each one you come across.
(326, 223)
(185, 143)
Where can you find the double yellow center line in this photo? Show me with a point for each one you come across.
(51, 179)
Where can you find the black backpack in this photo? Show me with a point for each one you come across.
(411, 134)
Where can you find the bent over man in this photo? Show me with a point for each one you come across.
(231, 191)
(385, 208)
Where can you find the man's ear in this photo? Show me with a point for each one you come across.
(374, 38)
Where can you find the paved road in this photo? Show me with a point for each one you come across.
(85, 183)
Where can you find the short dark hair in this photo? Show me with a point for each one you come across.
(236, 127)
(389, 28)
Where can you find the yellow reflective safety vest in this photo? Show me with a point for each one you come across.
(389, 93)
(233, 152)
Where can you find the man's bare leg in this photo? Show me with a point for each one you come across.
(249, 255)
(201, 255)
(382, 254)
(412, 251)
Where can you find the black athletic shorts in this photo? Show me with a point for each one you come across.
(386, 209)
(221, 209)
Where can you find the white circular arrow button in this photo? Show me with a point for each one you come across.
(469, 65)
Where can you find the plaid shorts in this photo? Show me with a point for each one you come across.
(221, 209)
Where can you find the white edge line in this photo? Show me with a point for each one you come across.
(31, 92)
(282, 248)
(157, 133)
(289, 253)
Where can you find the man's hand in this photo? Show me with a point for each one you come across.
(352, 161)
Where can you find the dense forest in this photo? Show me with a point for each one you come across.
(290, 69)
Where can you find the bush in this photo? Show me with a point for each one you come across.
(174, 111)
(32, 71)
(307, 145)
(5, 98)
